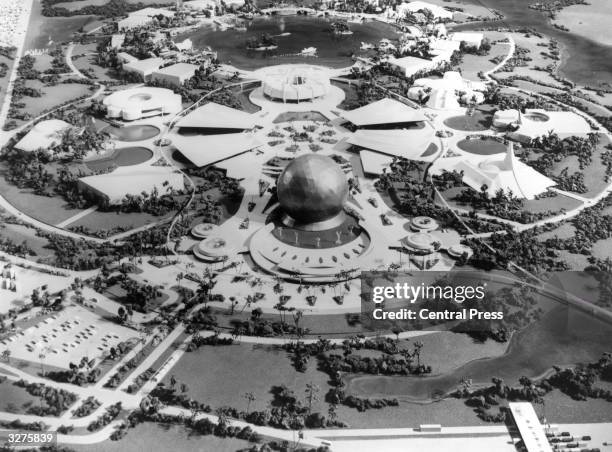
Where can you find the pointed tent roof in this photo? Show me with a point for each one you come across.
(502, 172)
(204, 150)
(384, 111)
(410, 144)
(216, 116)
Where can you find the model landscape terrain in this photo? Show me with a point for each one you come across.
(192, 191)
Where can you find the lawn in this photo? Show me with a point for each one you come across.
(481, 120)
(553, 204)
(537, 47)
(152, 437)
(473, 64)
(19, 234)
(52, 96)
(229, 204)
(84, 57)
(4, 80)
(78, 4)
(100, 221)
(14, 399)
(300, 116)
(594, 174)
(44, 32)
(221, 375)
(245, 102)
(50, 210)
(350, 92)
(565, 231)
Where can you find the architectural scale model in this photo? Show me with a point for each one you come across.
(233, 225)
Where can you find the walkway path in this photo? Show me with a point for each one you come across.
(68, 58)
(77, 217)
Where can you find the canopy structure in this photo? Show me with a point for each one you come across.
(216, 116)
(534, 123)
(503, 171)
(381, 112)
(438, 12)
(409, 144)
(410, 65)
(374, 162)
(115, 186)
(443, 99)
(44, 135)
(202, 150)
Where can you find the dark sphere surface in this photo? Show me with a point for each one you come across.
(312, 188)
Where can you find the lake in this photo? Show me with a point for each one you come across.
(332, 51)
(586, 62)
(562, 337)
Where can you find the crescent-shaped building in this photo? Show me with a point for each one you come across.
(135, 103)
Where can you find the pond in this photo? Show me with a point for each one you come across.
(120, 157)
(562, 337)
(480, 146)
(298, 32)
(136, 132)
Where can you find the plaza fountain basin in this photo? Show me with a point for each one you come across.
(481, 146)
(127, 156)
(136, 132)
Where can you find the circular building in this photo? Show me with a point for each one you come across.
(203, 230)
(457, 251)
(295, 83)
(141, 102)
(419, 243)
(424, 224)
(312, 191)
(212, 249)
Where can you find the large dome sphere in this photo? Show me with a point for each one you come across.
(312, 189)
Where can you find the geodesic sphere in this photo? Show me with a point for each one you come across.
(312, 188)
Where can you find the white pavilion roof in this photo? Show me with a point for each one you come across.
(204, 150)
(216, 116)
(563, 123)
(503, 171)
(384, 111)
(44, 134)
(130, 181)
(410, 144)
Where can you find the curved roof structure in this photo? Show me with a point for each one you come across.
(296, 82)
(130, 181)
(44, 134)
(503, 171)
(204, 150)
(135, 103)
(216, 116)
(384, 111)
(411, 144)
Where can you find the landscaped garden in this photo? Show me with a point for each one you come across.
(480, 120)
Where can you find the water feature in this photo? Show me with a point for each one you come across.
(585, 62)
(137, 132)
(482, 146)
(304, 32)
(562, 337)
(121, 157)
